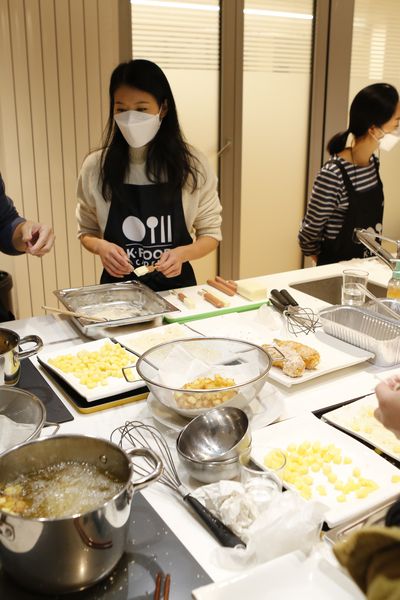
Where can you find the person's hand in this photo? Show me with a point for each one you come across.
(114, 259)
(170, 262)
(314, 259)
(37, 239)
(388, 412)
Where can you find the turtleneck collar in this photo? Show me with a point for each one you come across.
(138, 155)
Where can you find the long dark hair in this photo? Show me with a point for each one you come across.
(169, 158)
(373, 105)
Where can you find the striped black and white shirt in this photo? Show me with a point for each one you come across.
(329, 202)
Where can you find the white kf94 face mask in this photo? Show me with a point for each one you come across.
(389, 140)
(138, 128)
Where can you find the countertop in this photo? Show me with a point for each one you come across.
(352, 382)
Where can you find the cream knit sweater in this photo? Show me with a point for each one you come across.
(202, 208)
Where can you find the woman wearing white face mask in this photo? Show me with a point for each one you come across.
(147, 197)
(347, 191)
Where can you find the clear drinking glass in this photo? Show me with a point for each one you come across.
(351, 293)
(262, 484)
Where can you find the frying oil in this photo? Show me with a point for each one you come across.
(61, 490)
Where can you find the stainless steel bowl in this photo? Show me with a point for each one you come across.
(216, 353)
(212, 470)
(219, 434)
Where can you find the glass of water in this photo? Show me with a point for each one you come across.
(352, 295)
(261, 484)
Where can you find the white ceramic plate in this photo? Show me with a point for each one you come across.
(357, 418)
(141, 341)
(372, 466)
(334, 353)
(114, 385)
(312, 579)
(262, 411)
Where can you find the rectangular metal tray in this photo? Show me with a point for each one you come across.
(365, 329)
(121, 303)
(341, 532)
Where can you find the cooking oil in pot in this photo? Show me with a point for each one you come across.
(59, 490)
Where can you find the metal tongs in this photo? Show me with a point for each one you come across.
(369, 239)
(300, 320)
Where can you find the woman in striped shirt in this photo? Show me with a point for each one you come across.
(347, 192)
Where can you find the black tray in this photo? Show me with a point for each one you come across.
(152, 547)
(323, 411)
(82, 405)
(32, 381)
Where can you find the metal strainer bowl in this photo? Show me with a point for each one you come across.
(23, 409)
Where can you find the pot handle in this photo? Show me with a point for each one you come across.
(52, 424)
(6, 530)
(151, 477)
(30, 338)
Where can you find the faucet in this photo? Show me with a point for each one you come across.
(369, 239)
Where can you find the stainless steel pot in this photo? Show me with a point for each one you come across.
(53, 556)
(10, 354)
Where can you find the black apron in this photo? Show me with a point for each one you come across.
(146, 220)
(365, 211)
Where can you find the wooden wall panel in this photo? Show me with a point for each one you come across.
(10, 162)
(68, 133)
(44, 209)
(56, 61)
(27, 202)
(81, 110)
(54, 140)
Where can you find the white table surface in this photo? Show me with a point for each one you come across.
(58, 332)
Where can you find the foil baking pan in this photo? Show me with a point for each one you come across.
(365, 329)
(121, 303)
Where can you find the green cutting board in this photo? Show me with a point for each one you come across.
(181, 318)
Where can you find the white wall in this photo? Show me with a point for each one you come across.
(275, 122)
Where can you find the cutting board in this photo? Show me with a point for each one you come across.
(204, 309)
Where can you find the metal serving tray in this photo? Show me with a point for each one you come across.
(341, 532)
(120, 303)
(365, 329)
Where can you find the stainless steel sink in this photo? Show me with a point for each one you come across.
(329, 289)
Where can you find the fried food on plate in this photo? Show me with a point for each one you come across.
(291, 362)
(310, 356)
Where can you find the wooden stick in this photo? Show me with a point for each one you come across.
(71, 313)
(167, 585)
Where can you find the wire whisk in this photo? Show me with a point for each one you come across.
(299, 320)
(136, 434)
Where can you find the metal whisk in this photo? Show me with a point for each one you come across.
(140, 435)
(299, 320)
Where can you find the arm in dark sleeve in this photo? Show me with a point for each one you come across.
(9, 219)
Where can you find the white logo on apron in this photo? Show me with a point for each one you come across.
(135, 230)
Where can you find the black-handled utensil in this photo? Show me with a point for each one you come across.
(141, 435)
(299, 320)
(276, 295)
(289, 298)
(224, 535)
(278, 305)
